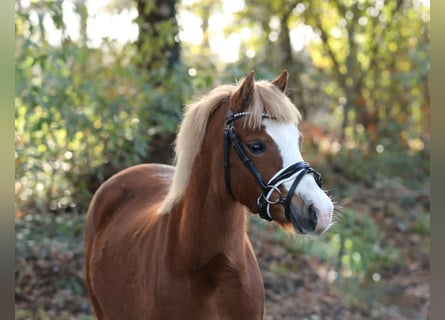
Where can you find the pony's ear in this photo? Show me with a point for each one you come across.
(242, 97)
(281, 81)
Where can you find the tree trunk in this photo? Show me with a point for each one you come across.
(158, 41)
(158, 53)
(291, 64)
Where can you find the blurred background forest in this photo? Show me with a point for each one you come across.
(100, 86)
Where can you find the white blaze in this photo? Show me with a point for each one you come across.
(286, 136)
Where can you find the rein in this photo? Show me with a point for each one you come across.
(294, 171)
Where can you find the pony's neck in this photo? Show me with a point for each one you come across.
(208, 221)
(209, 227)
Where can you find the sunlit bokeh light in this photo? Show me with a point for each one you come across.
(192, 72)
(379, 148)
(122, 28)
(376, 277)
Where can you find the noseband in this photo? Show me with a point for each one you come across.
(294, 171)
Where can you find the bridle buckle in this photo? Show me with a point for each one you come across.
(269, 194)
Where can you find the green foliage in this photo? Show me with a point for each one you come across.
(354, 247)
(364, 75)
(411, 168)
(359, 246)
(82, 113)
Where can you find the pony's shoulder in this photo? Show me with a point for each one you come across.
(139, 183)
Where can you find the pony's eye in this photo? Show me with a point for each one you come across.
(256, 147)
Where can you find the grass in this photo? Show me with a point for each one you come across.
(354, 246)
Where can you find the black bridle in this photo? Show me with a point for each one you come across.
(295, 171)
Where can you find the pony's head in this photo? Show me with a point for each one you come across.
(263, 166)
(262, 129)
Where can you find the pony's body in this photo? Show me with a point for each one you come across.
(156, 275)
(171, 243)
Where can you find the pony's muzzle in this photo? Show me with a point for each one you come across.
(303, 217)
(308, 217)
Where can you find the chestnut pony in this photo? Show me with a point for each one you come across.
(167, 242)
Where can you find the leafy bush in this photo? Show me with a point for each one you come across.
(412, 168)
(82, 114)
(354, 247)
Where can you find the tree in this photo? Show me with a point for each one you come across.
(370, 60)
(276, 18)
(158, 42)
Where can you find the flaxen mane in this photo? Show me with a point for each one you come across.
(267, 98)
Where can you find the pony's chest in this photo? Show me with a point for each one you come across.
(217, 290)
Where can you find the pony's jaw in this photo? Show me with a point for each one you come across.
(286, 136)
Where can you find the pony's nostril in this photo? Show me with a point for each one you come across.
(312, 214)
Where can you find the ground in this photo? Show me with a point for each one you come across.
(373, 264)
